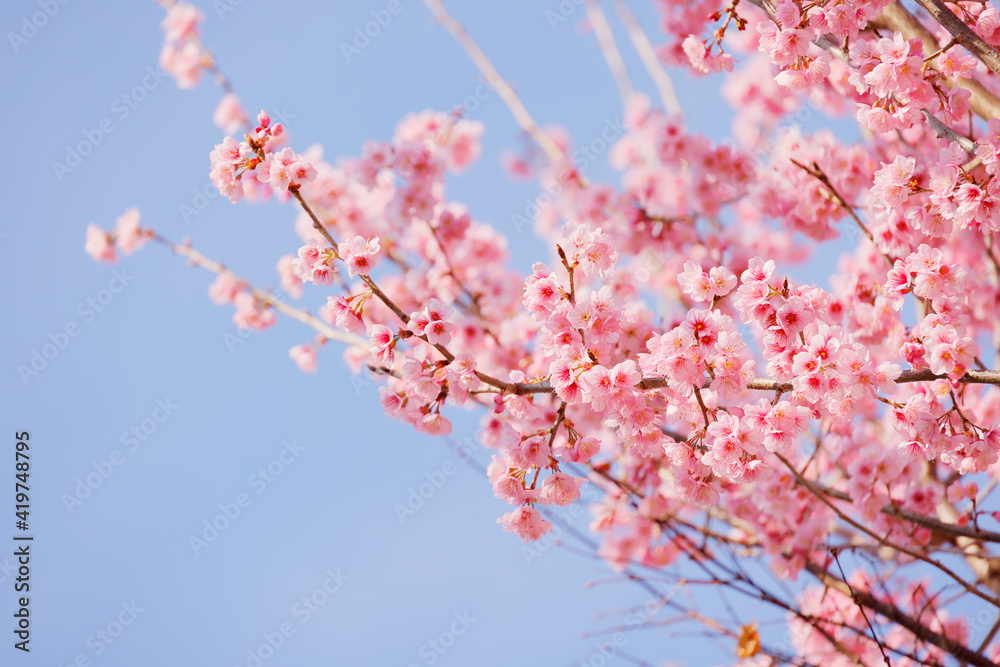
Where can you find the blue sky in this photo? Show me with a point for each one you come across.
(140, 386)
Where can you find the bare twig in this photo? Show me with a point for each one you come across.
(897, 616)
(962, 33)
(668, 95)
(606, 40)
(322, 327)
(507, 93)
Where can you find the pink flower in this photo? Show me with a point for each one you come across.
(340, 313)
(359, 254)
(696, 52)
(290, 281)
(302, 172)
(251, 313)
(184, 63)
(560, 489)
(438, 332)
(228, 159)
(229, 115)
(593, 250)
(723, 280)
(625, 375)
(792, 79)
(696, 282)
(793, 316)
(462, 372)
(541, 292)
(892, 181)
(383, 340)
(432, 323)
(510, 489)
(99, 245)
(284, 169)
(583, 449)
(435, 424)
(526, 523)
(788, 14)
(128, 235)
(304, 357)
(758, 270)
(322, 274)
(225, 288)
(535, 451)
(597, 381)
(181, 22)
(275, 170)
(877, 119)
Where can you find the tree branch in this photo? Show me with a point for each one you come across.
(962, 33)
(897, 616)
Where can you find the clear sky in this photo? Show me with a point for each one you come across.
(139, 348)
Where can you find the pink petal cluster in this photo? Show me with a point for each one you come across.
(304, 357)
(433, 323)
(182, 56)
(127, 237)
(359, 253)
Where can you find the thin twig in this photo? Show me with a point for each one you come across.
(324, 329)
(668, 94)
(897, 616)
(606, 40)
(507, 93)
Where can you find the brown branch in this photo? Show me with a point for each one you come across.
(324, 329)
(963, 34)
(896, 17)
(821, 176)
(884, 541)
(767, 384)
(824, 42)
(896, 615)
(920, 519)
(861, 608)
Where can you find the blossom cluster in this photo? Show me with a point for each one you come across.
(668, 351)
(238, 166)
(127, 237)
(182, 56)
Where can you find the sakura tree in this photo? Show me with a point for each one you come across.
(828, 451)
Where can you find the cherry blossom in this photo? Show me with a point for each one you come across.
(664, 346)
